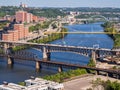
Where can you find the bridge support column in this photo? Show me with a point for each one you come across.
(10, 61)
(93, 56)
(46, 54)
(60, 69)
(96, 72)
(38, 66)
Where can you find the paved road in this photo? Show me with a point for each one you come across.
(84, 83)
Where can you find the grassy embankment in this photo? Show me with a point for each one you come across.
(51, 37)
(61, 77)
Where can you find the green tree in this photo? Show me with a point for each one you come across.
(91, 63)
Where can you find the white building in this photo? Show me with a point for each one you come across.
(35, 81)
(50, 84)
(37, 87)
(33, 84)
(12, 86)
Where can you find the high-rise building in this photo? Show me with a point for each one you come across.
(19, 32)
(24, 17)
(20, 16)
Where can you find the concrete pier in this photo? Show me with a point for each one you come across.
(38, 65)
(10, 61)
(93, 56)
(46, 54)
(60, 69)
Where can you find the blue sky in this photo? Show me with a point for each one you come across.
(63, 3)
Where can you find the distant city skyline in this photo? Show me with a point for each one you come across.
(63, 3)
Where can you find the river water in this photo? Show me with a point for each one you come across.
(23, 70)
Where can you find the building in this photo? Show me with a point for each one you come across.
(25, 17)
(37, 87)
(34, 81)
(26, 31)
(20, 29)
(22, 5)
(7, 37)
(33, 84)
(50, 84)
(18, 33)
(9, 18)
(41, 19)
(21, 16)
(14, 35)
(12, 86)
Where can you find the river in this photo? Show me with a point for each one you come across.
(23, 70)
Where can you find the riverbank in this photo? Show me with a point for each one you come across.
(51, 37)
(109, 27)
(63, 76)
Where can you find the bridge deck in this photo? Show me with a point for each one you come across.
(64, 64)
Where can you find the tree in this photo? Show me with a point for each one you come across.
(91, 63)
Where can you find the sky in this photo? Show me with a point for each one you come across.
(63, 3)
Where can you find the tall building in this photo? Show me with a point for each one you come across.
(25, 17)
(19, 32)
(21, 16)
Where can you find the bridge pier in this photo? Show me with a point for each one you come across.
(38, 66)
(60, 69)
(93, 56)
(97, 72)
(10, 61)
(46, 54)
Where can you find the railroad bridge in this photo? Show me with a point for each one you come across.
(48, 48)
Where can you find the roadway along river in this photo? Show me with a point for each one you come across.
(23, 70)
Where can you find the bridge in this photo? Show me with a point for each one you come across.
(48, 48)
(28, 56)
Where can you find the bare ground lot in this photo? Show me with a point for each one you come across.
(84, 82)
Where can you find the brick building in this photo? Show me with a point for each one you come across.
(25, 17)
(19, 32)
